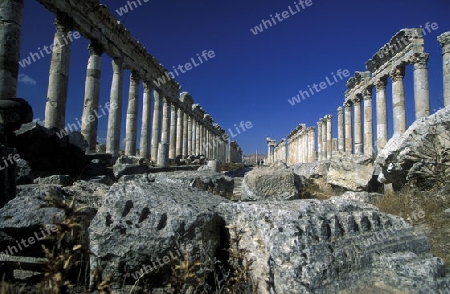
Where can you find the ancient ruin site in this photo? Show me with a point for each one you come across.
(283, 147)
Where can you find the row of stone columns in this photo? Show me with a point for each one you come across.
(324, 138)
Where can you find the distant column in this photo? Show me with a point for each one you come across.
(357, 125)
(348, 127)
(185, 134)
(341, 136)
(382, 124)
(180, 131)
(368, 123)
(421, 86)
(324, 139)
(132, 116)
(156, 125)
(190, 132)
(197, 138)
(319, 140)
(115, 113)
(398, 100)
(312, 144)
(444, 41)
(329, 136)
(89, 119)
(173, 132)
(55, 108)
(165, 121)
(144, 146)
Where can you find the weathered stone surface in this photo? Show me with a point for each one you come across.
(139, 224)
(213, 182)
(312, 246)
(416, 155)
(7, 175)
(447, 212)
(46, 151)
(24, 174)
(351, 172)
(274, 183)
(312, 170)
(129, 165)
(63, 180)
(365, 197)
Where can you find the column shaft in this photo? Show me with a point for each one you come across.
(197, 138)
(348, 127)
(156, 126)
(115, 114)
(144, 146)
(173, 132)
(382, 124)
(165, 121)
(358, 126)
(55, 108)
(368, 123)
(132, 116)
(341, 136)
(190, 132)
(329, 136)
(398, 100)
(319, 140)
(421, 86)
(444, 41)
(89, 119)
(180, 131)
(185, 134)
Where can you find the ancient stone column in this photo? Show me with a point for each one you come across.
(185, 134)
(10, 36)
(156, 125)
(173, 132)
(368, 123)
(200, 139)
(268, 153)
(382, 127)
(165, 121)
(115, 113)
(180, 131)
(421, 87)
(398, 100)
(305, 145)
(197, 138)
(357, 124)
(313, 144)
(190, 131)
(444, 41)
(324, 139)
(144, 147)
(348, 126)
(89, 119)
(341, 136)
(132, 116)
(319, 140)
(329, 136)
(55, 108)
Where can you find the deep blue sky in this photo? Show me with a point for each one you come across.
(252, 76)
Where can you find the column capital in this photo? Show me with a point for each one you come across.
(357, 99)
(420, 60)
(340, 110)
(319, 123)
(63, 23)
(398, 73)
(328, 117)
(348, 104)
(444, 41)
(95, 48)
(381, 84)
(134, 77)
(367, 94)
(148, 86)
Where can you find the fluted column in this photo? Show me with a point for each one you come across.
(180, 132)
(197, 138)
(190, 132)
(132, 116)
(329, 136)
(341, 136)
(398, 100)
(382, 122)
(185, 144)
(444, 41)
(55, 108)
(165, 121)
(348, 127)
(144, 146)
(156, 125)
(357, 124)
(115, 113)
(173, 132)
(89, 119)
(319, 140)
(368, 123)
(421, 85)
(10, 36)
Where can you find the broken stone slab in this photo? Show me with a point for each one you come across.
(129, 165)
(327, 246)
(274, 183)
(63, 180)
(141, 223)
(411, 156)
(364, 196)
